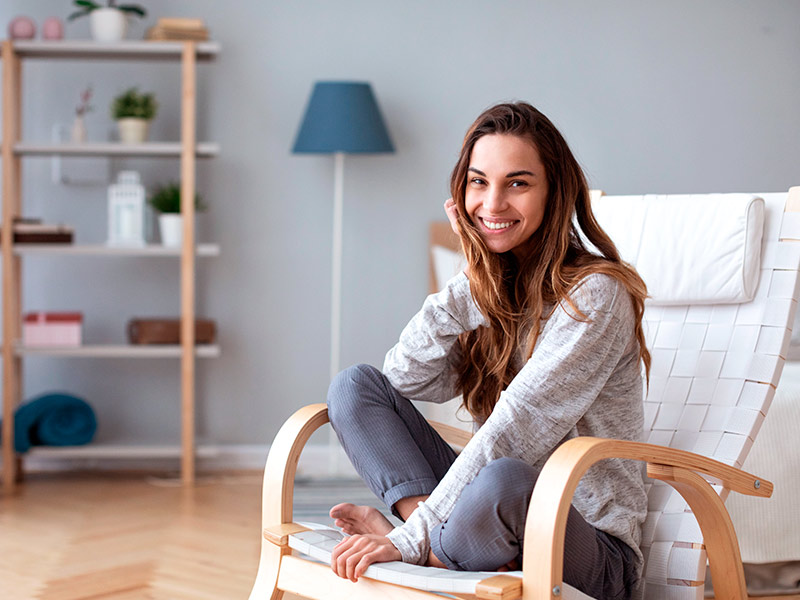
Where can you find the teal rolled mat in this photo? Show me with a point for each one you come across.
(53, 420)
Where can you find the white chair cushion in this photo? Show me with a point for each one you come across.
(318, 543)
(689, 249)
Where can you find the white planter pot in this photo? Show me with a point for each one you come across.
(133, 130)
(108, 25)
(171, 227)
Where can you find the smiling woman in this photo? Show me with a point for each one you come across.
(543, 339)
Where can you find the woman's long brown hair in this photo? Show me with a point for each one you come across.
(513, 293)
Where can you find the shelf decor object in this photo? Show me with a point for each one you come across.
(133, 111)
(126, 210)
(168, 331)
(108, 23)
(52, 329)
(342, 117)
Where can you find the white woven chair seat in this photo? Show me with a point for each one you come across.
(320, 541)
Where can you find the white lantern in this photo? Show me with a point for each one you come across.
(126, 210)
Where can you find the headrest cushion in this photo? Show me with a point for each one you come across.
(688, 248)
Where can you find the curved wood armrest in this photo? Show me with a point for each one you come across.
(278, 490)
(452, 435)
(552, 497)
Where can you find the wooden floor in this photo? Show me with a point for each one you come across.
(130, 537)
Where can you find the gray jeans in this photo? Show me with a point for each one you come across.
(398, 454)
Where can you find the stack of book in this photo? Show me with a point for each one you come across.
(33, 231)
(178, 28)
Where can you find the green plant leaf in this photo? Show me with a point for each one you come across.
(80, 13)
(88, 4)
(167, 199)
(133, 104)
(133, 8)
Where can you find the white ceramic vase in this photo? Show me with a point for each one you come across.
(78, 131)
(108, 25)
(171, 227)
(133, 130)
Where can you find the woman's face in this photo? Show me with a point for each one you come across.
(506, 190)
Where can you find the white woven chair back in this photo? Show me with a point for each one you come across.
(714, 371)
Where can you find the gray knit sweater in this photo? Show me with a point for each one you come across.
(584, 378)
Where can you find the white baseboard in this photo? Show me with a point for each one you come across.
(316, 461)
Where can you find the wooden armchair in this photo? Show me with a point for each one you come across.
(715, 370)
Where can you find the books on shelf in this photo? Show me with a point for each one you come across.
(178, 28)
(33, 231)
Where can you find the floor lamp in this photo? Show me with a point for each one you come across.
(342, 117)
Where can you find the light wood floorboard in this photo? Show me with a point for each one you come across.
(113, 537)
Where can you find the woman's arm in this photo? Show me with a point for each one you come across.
(420, 366)
(569, 367)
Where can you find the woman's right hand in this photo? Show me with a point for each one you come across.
(452, 213)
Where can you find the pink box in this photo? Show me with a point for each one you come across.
(52, 329)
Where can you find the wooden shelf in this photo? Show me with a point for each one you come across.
(118, 451)
(150, 149)
(127, 50)
(105, 250)
(116, 351)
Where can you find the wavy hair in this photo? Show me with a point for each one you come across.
(513, 293)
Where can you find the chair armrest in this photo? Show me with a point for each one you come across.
(452, 435)
(278, 490)
(555, 487)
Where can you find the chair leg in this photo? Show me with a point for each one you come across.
(266, 583)
(719, 537)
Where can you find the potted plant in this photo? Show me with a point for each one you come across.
(166, 200)
(133, 112)
(107, 23)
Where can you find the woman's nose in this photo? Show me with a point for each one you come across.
(495, 200)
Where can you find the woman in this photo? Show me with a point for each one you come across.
(543, 338)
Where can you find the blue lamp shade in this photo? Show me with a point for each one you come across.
(342, 116)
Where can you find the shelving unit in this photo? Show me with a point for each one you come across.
(187, 150)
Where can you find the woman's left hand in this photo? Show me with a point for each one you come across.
(452, 214)
(352, 556)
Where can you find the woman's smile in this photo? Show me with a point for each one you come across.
(494, 226)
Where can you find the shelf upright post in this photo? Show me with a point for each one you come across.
(12, 300)
(188, 148)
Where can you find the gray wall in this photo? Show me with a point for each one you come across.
(672, 96)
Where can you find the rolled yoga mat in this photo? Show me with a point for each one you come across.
(53, 420)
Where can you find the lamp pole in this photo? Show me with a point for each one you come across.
(336, 293)
(336, 266)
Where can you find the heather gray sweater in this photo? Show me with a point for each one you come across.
(583, 378)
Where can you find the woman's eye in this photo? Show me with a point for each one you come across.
(519, 183)
(476, 181)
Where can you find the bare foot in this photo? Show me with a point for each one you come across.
(511, 566)
(354, 519)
